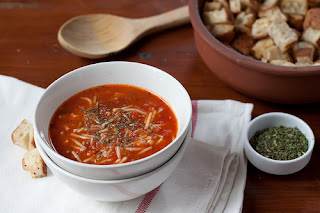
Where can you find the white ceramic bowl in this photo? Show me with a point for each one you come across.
(118, 72)
(278, 167)
(117, 190)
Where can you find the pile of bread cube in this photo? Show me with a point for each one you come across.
(280, 32)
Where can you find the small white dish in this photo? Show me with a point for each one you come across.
(116, 190)
(278, 167)
(116, 72)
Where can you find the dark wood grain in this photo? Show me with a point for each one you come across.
(29, 51)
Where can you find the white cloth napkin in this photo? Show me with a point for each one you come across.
(210, 178)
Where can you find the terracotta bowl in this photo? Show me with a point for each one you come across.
(260, 80)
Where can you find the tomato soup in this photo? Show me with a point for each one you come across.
(112, 124)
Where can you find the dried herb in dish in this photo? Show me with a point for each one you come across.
(280, 143)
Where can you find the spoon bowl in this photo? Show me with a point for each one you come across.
(99, 35)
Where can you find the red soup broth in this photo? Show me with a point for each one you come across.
(112, 124)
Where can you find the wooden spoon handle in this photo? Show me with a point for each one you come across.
(165, 20)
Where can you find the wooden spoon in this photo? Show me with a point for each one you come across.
(99, 35)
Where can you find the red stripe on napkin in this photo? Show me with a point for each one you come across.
(194, 116)
(145, 203)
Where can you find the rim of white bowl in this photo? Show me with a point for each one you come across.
(80, 69)
(53, 164)
(281, 114)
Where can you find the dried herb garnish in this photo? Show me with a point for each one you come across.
(280, 143)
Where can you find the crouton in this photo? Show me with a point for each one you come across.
(210, 6)
(33, 163)
(227, 44)
(303, 52)
(272, 13)
(250, 3)
(274, 53)
(314, 3)
(312, 18)
(267, 30)
(223, 32)
(298, 64)
(282, 63)
(260, 27)
(294, 6)
(243, 44)
(311, 35)
(268, 3)
(296, 21)
(283, 36)
(209, 27)
(23, 135)
(224, 3)
(235, 6)
(214, 17)
(259, 48)
(249, 10)
(243, 22)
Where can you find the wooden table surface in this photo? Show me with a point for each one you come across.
(29, 51)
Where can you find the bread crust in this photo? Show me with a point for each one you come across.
(312, 18)
(304, 52)
(296, 21)
(243, 43)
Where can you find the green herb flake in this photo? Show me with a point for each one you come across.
(280, 143)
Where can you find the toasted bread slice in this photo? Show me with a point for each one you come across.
(312, 18)
(23, 135)
(33, 163)
(294, 6)
(283, 36)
